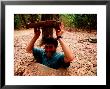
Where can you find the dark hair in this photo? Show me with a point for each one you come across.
(51, 40)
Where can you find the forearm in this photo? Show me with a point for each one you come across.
(31, 44)
(67, 51)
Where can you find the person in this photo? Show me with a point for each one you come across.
(48, 55)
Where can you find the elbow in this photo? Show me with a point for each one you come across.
(28, 51)
(71, 58)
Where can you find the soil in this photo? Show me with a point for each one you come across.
(84, 52)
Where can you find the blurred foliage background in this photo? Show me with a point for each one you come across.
(80, 21)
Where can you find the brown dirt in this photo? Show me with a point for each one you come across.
(85, 63)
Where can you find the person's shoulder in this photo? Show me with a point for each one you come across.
(59, 55)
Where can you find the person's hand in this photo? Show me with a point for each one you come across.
(60, 31)
(37, 32)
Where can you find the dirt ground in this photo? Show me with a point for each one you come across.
(85, 53)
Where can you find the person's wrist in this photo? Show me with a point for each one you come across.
(58, 37)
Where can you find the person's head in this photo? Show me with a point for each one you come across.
(50, 45)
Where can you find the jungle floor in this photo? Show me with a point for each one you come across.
(84, 51)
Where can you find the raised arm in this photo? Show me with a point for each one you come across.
(33, 40)
(67, 51)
